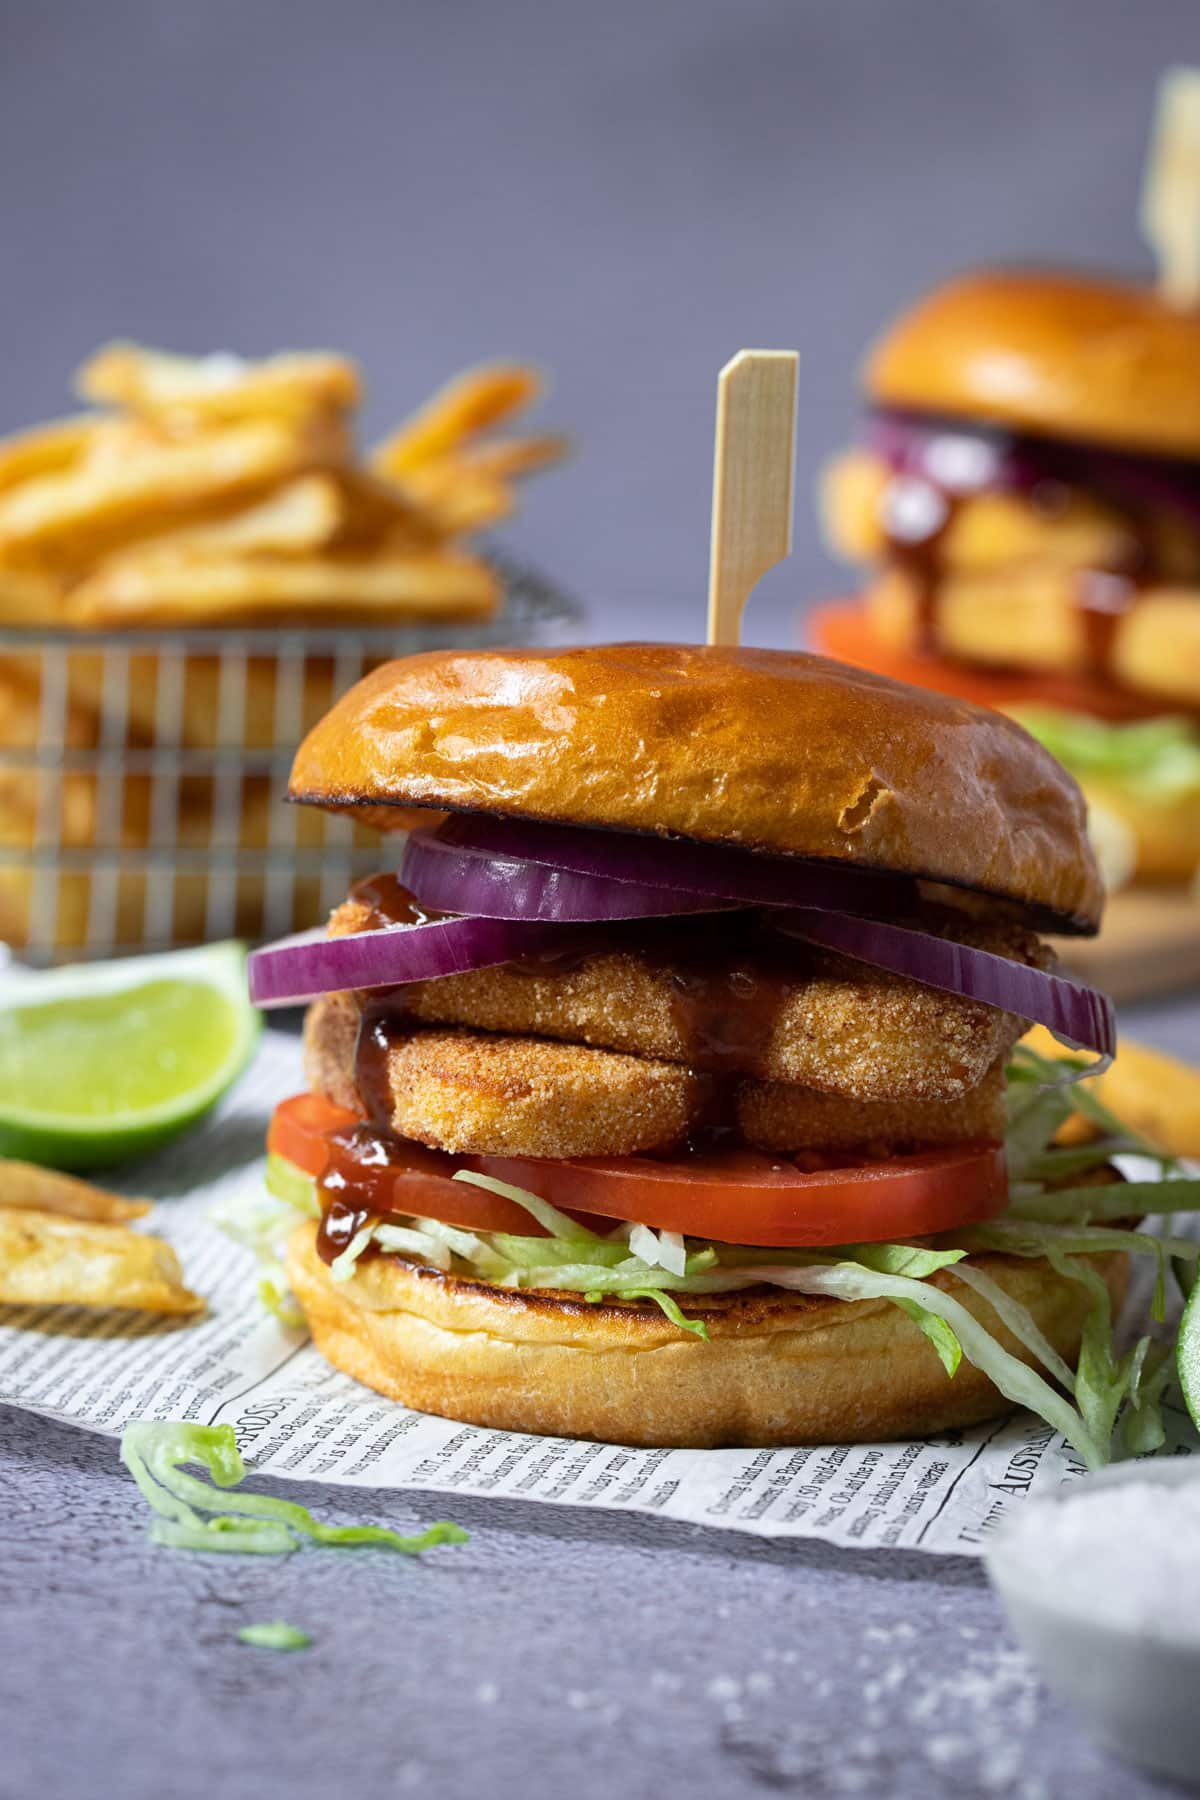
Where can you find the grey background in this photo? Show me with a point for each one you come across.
(627, 191)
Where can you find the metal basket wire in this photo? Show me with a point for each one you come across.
(142, 775)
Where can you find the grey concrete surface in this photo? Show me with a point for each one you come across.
(554, 1654)
(626, 191)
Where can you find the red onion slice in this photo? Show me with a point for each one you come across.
(448, 877)
(664, 875)
(959, 457)
(1078, 1016)
(302, 967)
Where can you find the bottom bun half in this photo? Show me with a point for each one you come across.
(779, 1368)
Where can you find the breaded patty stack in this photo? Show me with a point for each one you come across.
(1027, 496)
(648, 1081)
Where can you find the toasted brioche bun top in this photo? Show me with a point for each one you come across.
(1053, 354)
(775, 751)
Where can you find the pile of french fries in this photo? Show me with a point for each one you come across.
(64, 1242)
(216, 491)
(199, 495)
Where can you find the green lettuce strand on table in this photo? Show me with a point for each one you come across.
(192, 1514)
(274, 1635)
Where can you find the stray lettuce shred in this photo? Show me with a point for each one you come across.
(1058, 1213)
(193, 1514)
(274, 1636)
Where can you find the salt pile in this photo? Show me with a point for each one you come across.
(1125, 1556)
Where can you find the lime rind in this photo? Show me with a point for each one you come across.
(87, 1141)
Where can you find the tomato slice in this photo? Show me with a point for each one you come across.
(394, 1176)
(729, 1196)
(843, 630)
(298, 1130)
(743, 1197)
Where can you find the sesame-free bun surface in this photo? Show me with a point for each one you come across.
(779, 1368)
(772, 750)
(1050, 353)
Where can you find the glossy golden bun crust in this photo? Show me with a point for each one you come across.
(1050, 353)
(773, 750)
(779, 1368)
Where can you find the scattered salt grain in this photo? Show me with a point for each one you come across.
(1125, 1556)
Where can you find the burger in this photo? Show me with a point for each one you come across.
(1026, 497)
(658, 1088)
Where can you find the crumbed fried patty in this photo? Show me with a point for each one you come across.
(687, 994)
(478, 1093)
(472, 1093)
(774, 1115)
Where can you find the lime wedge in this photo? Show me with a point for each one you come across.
(1187, 1354)
(99, 1062)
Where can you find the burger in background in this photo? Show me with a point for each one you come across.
(1026, 497)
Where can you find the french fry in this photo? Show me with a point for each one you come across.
(1154, 1094)
(27, 1187)
(161, 587)
(221, 387)
(306, 514)
(379, 510)
(467, 405)
(458, 497)
(48, 1260)
(509, 458)
(45, 448)
(63, 514)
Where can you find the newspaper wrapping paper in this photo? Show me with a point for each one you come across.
(297, 1417)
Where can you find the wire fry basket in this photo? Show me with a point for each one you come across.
(142, 775)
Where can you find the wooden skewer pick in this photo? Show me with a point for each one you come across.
(753, 481)
(1170, 211)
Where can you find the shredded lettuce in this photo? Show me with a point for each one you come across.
(274, 1636)
(1156, 758)
(1113, 1200)
(1014, 1378)
(661, 1249)
(191, 1514)
(278, 1301)
(939, 1333)
(291, 1185)
(1019, 1320)
(342, 1266)
(556, 1223)
(263, 1223)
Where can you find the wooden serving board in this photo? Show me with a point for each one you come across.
(1149, 945)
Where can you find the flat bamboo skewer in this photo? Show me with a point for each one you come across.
(1170, 210)
(754, 470)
